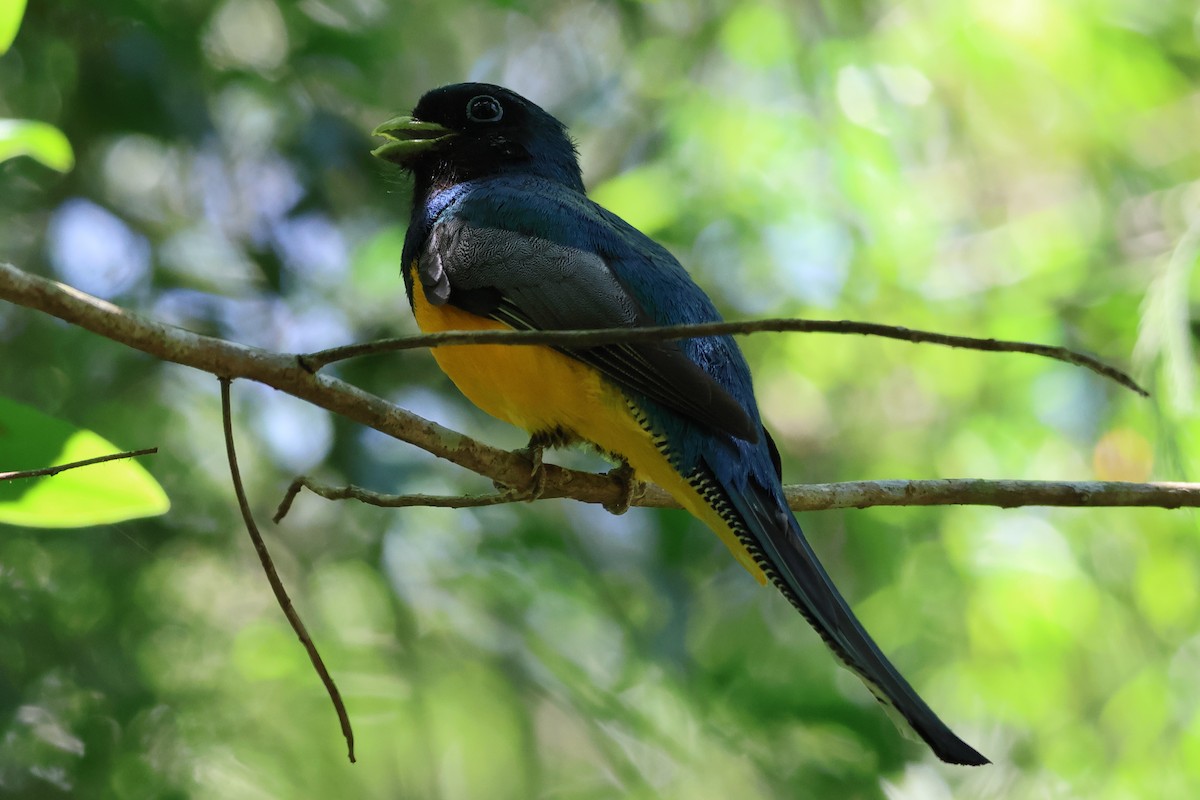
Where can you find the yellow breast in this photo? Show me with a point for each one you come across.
(535, 388)
(539, 389)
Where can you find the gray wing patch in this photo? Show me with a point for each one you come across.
(535, 284)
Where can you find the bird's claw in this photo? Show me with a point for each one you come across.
(537, 473)
(631, 488)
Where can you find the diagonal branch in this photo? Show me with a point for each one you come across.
(231, 360)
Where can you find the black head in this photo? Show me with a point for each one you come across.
(473, 130)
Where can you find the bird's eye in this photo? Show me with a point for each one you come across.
(484, 108)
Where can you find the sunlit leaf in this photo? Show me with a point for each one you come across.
(11, 12)
(38, 140)
(99, 494)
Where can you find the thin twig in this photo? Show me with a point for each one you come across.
(589, 338)
(352, 492)
(87, 462)
(828, 496)
(281, 595)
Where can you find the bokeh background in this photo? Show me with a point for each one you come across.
(1024, 169)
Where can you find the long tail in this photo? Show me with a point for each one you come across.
(767, 529)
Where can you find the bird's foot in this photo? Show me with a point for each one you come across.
(537, 473)
(631, 488)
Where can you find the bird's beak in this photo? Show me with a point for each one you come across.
(407, 137)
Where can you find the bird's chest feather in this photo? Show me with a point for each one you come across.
(535, 388)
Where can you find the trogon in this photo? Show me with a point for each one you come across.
(503, 236)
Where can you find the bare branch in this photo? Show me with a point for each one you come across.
(829, 496)
(589, 338)
(352, 492)
(87, 462)
(281, 595)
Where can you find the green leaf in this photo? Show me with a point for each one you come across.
(113, 491)
(38, 140)
(11, 12)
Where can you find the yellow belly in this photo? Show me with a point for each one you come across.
(539, 389)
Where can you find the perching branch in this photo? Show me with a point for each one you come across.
(828, 496)
(281, 595)
(587, 338)
(283, 372)
(87, 462)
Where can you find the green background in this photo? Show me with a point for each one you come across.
(1027, 170)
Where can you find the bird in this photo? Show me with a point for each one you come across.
(503, 236)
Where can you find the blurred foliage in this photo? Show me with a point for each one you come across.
(1026, 169)
(22, 137)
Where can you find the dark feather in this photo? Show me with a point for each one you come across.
(536, 284)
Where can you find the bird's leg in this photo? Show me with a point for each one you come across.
(537, 475)
(632, 488)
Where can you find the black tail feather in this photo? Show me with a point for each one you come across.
(773, 537)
